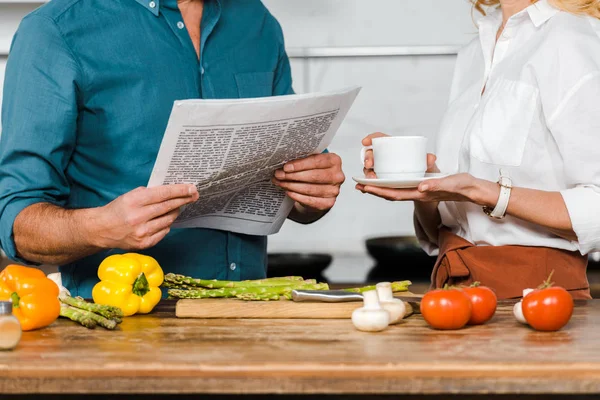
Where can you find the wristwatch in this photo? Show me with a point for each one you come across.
(499, 211)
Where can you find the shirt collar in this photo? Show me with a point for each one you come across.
(491, 19)
(538, 13)
(151, 5)
(541, 12)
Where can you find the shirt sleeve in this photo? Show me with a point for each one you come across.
(576, 129)
(426, 244)
(283, 74)
(39, 117)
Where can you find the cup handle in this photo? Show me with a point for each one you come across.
(363, 154)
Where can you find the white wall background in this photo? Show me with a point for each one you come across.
(401, 94)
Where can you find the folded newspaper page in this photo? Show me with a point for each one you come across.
(230, 150)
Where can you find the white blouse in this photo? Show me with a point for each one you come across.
(539, 119)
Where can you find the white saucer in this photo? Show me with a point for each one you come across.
(397, 183)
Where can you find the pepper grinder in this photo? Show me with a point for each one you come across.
(10, 328)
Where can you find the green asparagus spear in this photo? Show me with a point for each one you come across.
(77, 315)
(181, 286)
(259, 297)
(108, 312)
(180, 280)
(401, 286)
(109, 324)
(245, 293)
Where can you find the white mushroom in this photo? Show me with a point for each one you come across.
(56, 277)
(395, 307)
(518, 308)
(371, 317)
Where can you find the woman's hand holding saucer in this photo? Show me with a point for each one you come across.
(458, 187)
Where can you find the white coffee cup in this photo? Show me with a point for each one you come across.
(398, 157)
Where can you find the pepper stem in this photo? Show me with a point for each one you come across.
(15, 299)
(141, 286)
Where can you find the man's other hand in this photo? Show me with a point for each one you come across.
(141, 218)
(313, 182)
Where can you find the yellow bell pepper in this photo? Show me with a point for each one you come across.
(129, 281)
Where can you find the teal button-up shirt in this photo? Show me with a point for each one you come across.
(88, 91)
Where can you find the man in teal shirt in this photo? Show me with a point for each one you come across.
(88, 90)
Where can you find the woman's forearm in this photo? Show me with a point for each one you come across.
(428, 217)
(547, 209)
(539, 207)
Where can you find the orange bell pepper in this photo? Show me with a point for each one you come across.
(34, 297)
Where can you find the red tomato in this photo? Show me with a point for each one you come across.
(446, 308)
(483, 304)
(548, 309)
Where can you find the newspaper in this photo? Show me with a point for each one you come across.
(230, 150)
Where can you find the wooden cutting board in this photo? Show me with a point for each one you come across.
(284, 309)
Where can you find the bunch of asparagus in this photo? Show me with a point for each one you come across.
(90, 315)
(185, 287)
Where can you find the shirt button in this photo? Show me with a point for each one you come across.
(180, 25)
(232, 266)
(202, 70)
(152, 4)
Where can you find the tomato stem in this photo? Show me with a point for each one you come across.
(475, 284)
(452, 287)
(547, 282)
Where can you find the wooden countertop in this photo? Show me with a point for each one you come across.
(161, 354)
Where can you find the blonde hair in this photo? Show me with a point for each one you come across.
(580, 7)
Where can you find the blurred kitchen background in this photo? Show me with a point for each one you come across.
(402, 53)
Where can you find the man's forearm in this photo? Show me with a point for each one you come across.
(48, 234)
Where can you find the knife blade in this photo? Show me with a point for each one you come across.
(339, 296)
(326, 296)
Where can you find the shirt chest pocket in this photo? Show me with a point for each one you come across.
(500, 134)
(254, 84)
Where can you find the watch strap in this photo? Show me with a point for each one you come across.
(505, 189)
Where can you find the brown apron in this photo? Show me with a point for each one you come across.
(508, 269)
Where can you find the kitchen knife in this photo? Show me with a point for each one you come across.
(339, 296)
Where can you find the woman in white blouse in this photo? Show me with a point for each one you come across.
(525, 100)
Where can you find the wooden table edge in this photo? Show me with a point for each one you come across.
(583, 378)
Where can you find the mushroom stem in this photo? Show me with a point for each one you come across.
(395, 307)
(371, 300)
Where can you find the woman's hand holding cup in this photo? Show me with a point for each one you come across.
(394, 157)
(369, 160)
(459, 187)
